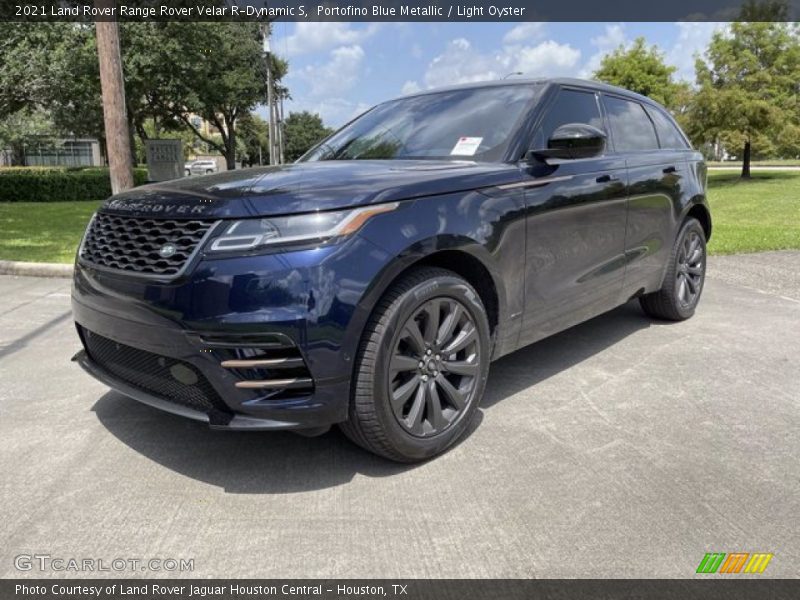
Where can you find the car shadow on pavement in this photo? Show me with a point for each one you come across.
(535, 363)
(280, 462)
(240, 462)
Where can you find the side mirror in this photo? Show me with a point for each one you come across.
(573, 140)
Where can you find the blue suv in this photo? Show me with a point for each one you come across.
(371, 283)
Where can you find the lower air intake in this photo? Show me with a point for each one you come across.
(168, 378)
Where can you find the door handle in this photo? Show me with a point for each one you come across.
(607, 178)
(669, 169)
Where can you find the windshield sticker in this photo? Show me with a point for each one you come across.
(466, 146)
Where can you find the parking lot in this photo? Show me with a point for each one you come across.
(620, 448)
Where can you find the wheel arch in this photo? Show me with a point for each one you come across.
(463, 256)
(699, 210)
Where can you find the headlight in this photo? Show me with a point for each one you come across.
(250, 234)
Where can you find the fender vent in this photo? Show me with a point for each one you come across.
(275, 373)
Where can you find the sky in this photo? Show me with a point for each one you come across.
(339, 69)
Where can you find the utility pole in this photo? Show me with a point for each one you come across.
(281, 130)
(118, 143)
(272, 129)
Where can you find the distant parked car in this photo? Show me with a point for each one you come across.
(201, 167)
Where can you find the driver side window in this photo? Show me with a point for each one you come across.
(571, 106)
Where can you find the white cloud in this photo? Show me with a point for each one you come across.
(410, 87)
(462, 63)
(612, 38)
(334, 112)
(524, 33)
(320, 36)
(693, 39)
(547, 59)
(336, 76)
(329, 79)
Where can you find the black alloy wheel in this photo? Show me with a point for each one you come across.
(691, 269)
(683, 282)
(421, 367)
(434, 367)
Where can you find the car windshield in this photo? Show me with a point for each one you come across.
(467, 124)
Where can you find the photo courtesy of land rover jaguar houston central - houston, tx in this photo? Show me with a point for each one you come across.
(370, 284)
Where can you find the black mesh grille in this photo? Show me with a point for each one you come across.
(133, 244)
(167, 378)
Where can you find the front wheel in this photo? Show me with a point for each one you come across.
(683, 283)
(421, 368)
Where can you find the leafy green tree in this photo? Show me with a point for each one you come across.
(642, 69)
(172, 71)
(302, 131)
(225, 78)
(72, 94)
(25, 66)
(748, 90)
(253, 140)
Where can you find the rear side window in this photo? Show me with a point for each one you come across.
(668, 134)
(571, 106)
(631, 128)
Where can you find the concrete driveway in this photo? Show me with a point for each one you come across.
(621, 448)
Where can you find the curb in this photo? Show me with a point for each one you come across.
(30, 269)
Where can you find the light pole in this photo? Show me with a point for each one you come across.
(271, 125)
(512, 73)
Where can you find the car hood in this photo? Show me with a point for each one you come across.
(306, 187)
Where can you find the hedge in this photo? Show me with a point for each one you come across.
(58, 184)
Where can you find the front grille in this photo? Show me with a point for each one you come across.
(133, 244)
(166, 378)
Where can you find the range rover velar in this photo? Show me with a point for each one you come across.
(371, 283)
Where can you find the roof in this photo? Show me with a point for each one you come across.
(567, 81)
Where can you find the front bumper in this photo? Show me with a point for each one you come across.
(225, 316)
(235, 422)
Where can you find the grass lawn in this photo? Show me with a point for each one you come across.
(775, 162)
(43, 231)
(749, 216)
(756, 215)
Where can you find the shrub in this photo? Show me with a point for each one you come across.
(58, 184)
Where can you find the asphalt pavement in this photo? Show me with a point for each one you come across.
(623, 447)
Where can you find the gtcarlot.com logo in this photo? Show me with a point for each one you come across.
(734, 562)
(47, 562)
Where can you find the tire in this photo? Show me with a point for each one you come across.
(683, 282)
(403, 349)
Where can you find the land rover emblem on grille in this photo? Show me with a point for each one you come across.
(167, 250)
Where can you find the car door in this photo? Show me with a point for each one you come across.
(575, 226)
(656, 176)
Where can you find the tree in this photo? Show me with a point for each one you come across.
(172, 70)
(642, 69)
(253, 140)
(227, 75)
(302, 131)
(748, 90)
(25, 66)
